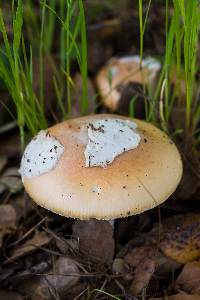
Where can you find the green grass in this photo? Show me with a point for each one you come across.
(142, 26)
(16, 63)
(73, 47)
(67, 20)
(15, 71)
(182, 31)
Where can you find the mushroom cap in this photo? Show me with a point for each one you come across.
(136, 180)
(121, 71)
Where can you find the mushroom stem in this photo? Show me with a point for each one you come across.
(112, 222)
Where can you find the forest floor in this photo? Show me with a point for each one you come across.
(154, 255)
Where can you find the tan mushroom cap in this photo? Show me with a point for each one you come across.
(122, 71)
(135, 181)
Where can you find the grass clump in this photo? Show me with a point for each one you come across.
(180, 63)
(66, 20)
(16, 73)
(16, 63)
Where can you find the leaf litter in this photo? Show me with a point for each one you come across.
(44, 256)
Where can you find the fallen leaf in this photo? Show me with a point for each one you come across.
(189, 278)
(39, 268)
(147, 260)
(38, 240)
(165, 265)
(142, 275)
(180, 238)
(66, 275)
(137, 255)
(55, 285)
(67, 245)
(95, 239)
(143, 260)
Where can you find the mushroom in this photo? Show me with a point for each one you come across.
(119, 73)
(101, 166)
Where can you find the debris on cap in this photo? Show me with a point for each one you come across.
(108, 139)
(41, 155)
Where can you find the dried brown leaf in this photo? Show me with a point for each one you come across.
(189, 278)
(142, 275)
(181, 239)
(147, 260)
(55, 284)
(137, 255)
(38, 240)
(165, 265)
(143, 259)
(67, 246)
(65, 274)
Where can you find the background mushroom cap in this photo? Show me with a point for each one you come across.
(135, 181)
(120, 71)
